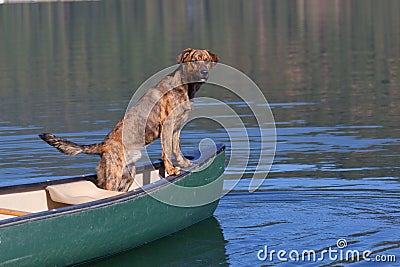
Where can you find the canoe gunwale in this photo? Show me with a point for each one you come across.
(124, 197)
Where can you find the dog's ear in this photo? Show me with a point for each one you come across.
(181, 57)
(214, 57)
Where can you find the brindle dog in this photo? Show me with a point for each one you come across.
(160, 113)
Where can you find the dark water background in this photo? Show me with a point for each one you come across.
(329, 69)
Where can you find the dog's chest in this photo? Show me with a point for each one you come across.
(181, 112)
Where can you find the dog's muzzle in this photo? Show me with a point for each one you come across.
(203, 74)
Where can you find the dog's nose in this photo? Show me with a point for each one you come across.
(204, 72)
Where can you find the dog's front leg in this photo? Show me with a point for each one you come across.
(176, 142)
(166, 146)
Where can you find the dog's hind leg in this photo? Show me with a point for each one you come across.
(110, 171)
(107, 172)
(128, 177)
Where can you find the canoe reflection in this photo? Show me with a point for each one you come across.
(202, 244)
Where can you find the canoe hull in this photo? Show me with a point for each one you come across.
(71, 236)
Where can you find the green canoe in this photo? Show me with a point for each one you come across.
(70, 221)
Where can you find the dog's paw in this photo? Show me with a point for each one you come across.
(184, 163)
(173, 170)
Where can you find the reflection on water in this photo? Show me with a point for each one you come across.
(200, 245)
(330, 70)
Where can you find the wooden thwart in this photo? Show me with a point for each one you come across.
(13, 212)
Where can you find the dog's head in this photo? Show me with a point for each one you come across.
(196, 64)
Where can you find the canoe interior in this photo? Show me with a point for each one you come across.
(38, 197)
(33, 198)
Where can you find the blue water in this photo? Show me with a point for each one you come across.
(329, 70)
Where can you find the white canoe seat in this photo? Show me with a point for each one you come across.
(78, 192)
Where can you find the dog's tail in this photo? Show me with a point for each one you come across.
(68, 147)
